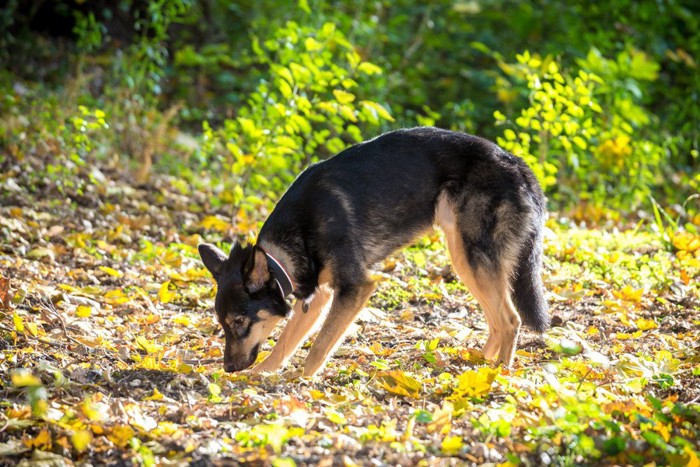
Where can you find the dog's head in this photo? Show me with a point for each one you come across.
(249, 302)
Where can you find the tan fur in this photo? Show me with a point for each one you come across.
(260, 273)
(490, 289)
(300, 325)
(342, 313)
(261, 329)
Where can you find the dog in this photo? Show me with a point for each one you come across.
(343, 215)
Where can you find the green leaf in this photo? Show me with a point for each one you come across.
(369, 68)
(335, 417)
(343, 97)
(614, 446)
(377, 109)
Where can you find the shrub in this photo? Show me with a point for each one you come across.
(584, 132)
(305, 111)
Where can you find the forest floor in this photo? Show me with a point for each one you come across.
(110, 352)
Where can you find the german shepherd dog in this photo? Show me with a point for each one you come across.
(343, 215)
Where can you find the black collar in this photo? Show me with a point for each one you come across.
(280, 274)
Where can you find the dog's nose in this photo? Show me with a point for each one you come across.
(235, 365)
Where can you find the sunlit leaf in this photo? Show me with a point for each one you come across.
(40, 441)
(474, 383)
(83, 311)
(335, 416)
(111, 272)
(121, 434)
(646, 324)
(165, 295)
(81, 439)
(18, 322)
(398, 382)
(451, 445)
(21, 379)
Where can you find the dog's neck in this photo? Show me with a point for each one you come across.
(282, 266)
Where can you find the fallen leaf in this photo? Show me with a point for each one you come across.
(81, 440)
(398, 382)
(4, 293)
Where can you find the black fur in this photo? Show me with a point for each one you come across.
(394, 182)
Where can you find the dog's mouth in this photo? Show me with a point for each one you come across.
(237, 364)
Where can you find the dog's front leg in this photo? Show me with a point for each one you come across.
(347, 303)
(300, 325)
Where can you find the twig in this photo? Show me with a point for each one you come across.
(50, 306)
(7, 422)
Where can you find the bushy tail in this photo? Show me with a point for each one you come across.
(528, 290)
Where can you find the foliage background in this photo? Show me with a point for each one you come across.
(603, 100)
(132, 130)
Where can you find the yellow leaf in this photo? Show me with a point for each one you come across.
(112, 272)
(369, 68)
(343, 97)
(19, 323)
(41, 441)
(442, 419)
(474, 383)
(156, 396)
(646, 324)
(83, 311)
(625, 336)
(183, 320)
(116, 297)
(214, 389)
(148, 346)
(22, 379)
(686, 241)
(451, 445)
(397, 382)
(316, 394)
(692, 456)
(33, 329)
(213, 222)
(81, 440)
(378, 109)
(378, 349)
(121, 435)
(347, 112)
(164, 293)
(312, 45)
(629, 294)
(335, 417)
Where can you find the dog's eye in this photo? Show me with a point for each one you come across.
(235, 321)
(238, 322)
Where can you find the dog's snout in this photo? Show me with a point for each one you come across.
(235, 364)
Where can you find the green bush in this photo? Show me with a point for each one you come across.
(584, 132)
(307, 110)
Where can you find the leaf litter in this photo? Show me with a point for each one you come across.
(110, 354)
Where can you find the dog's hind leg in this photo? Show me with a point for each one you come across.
(347, 303)
(489, 284)
(300, 325)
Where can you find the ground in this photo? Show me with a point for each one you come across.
(110, 353)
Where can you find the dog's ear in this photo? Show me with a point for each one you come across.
(213, 259)
(255, 272)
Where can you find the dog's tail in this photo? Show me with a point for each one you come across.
(528, 290)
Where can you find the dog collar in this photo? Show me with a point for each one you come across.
(279, 273)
